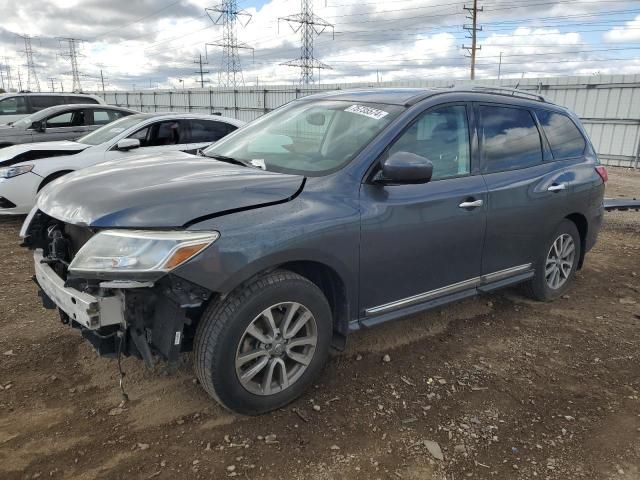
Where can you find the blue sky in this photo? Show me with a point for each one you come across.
(149, 43)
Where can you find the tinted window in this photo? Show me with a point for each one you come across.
(38, 102)
(442, 136)
(74, 99)
(13, 106)
(208, 131)
(168, 132)
(510, 138)
(564, 137)
(102, 117)
(66, 119)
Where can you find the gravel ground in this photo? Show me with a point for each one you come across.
(497, 387)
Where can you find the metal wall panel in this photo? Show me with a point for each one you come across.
(608, 105)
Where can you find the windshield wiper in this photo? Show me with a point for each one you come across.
(235, 161)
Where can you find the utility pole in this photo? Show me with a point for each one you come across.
(474, 29)
(309, 25)
(102, 81)
(32, 77)
(200, 71)
(19, 82)
(61, 86)
(51, 81)
(499, 65)
(72, 54)
(228, 13)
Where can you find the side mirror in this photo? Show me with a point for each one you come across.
(405, 168)
(128, 144)
(39, 126)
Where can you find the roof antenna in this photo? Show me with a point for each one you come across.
(518, 84)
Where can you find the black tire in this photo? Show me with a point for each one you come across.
(52, 177)
(538, 288)
(223, 326)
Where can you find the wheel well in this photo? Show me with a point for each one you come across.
(333, 288)
(582, 225)
(52, 177)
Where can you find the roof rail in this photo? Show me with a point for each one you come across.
(513, 92)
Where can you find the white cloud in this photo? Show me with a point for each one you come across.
(629, 33)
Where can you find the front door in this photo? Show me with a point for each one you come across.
(424, 242)
(62, 126)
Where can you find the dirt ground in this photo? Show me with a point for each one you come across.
(497, 387)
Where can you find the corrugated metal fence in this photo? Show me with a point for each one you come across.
(609, 105)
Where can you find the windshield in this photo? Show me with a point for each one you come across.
(110, 131)
(307, 137)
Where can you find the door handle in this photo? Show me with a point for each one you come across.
(471, 204)
(557, 187)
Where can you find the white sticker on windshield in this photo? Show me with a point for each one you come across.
(117, 130)
(367, 111)
(259, 162)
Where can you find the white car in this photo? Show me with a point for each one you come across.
(14, 106)
(25, 169)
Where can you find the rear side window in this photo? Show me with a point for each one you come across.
(40, 102)
(565, 139)
(510, 138)
(13, 106)
(208, 130)
(76, 99)
(102, 117)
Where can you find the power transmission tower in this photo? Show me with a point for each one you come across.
(309, 25)
(32, 77)
(19, 82)
(200, 71)
(474, 29)
(72, 54)
(7, 69)
(52, 81)
(228, 14)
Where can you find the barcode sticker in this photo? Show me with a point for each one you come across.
(367, 111)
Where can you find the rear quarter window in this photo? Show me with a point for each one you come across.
(509, 138)
(563, 135)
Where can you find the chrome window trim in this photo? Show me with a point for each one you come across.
(448, 289)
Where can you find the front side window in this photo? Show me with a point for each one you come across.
(13, 106)
(66, 119)
(441, 136)
(565, 139)
(509, 138)
(312, 137)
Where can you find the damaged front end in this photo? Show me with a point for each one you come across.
(116, 286)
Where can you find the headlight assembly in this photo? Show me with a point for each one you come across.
(14, 171)
(137, 251)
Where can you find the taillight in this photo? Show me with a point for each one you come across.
(602, 171)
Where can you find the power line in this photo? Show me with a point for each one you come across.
(227, 13)
(309, 25)
(474, 29)
(52, 81)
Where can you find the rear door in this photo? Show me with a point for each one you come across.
(97, 117)
(527, 190)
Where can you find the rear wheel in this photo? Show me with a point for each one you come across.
(263, 345)
(557, 263)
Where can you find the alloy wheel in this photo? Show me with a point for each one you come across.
(560, 260)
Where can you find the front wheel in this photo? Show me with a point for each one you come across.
(260, 347)
(557, 264)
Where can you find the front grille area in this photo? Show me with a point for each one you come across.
(6, 203)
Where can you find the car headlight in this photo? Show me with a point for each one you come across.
(14, 171)
(136, 251)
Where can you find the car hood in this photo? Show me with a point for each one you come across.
(6, 130)
(31, 151)
(171, 190)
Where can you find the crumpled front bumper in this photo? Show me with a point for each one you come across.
(89, 311)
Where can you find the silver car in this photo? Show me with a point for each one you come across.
(63, 122)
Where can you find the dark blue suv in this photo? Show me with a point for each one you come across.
(335, 212)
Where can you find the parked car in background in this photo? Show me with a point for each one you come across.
(63, 122)
(26, 168)
(336, 212)
(14, 106)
